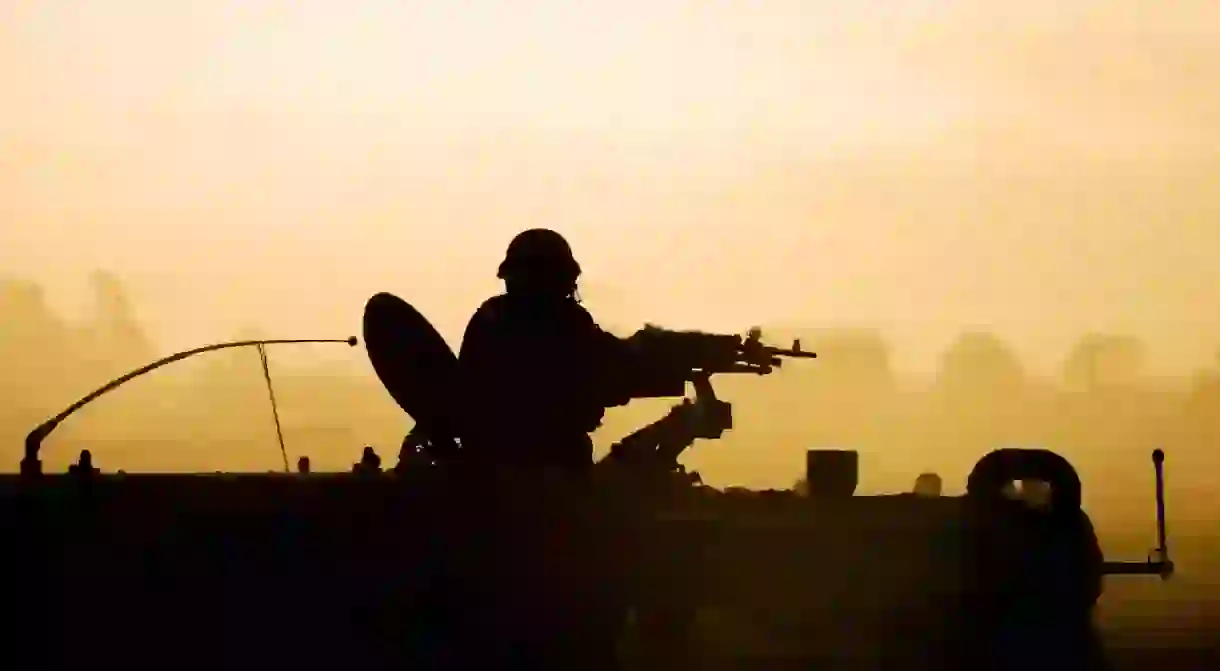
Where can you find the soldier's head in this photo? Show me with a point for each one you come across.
(540, 262)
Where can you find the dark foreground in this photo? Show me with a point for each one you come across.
(352, 572)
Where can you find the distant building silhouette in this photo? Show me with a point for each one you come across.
(1099, 360)
(979, 365)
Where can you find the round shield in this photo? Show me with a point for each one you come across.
(410, 358)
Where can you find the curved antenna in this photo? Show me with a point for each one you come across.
(30, 465)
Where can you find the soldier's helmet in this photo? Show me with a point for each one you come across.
(540, 257)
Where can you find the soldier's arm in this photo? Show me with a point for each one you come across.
(611, 358)
(629, 372)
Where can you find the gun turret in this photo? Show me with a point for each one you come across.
(657, 446)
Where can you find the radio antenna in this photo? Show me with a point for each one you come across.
(30, 464)
(275, 412)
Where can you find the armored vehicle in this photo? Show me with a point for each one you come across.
(368, 569)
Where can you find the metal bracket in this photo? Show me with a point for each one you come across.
(1158, 562)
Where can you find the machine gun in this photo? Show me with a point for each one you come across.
(699, 352)
(672, 358)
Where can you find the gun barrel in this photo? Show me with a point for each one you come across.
(795, 354)
(737, 367)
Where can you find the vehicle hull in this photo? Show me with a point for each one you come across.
(149, 569)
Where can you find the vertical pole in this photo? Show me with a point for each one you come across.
(1158, 461)
(275, 413)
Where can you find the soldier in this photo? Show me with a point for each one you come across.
(537, 374)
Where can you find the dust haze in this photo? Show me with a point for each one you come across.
(996, 222)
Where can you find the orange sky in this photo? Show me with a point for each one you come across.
(1043, 168)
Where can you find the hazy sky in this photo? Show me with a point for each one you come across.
(1043, 167)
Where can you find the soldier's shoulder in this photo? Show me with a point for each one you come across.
(488, 315)
(580, 313)
(492, 306)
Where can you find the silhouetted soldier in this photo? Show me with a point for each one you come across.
(303, 465)
(537, 375)
(538, 372)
